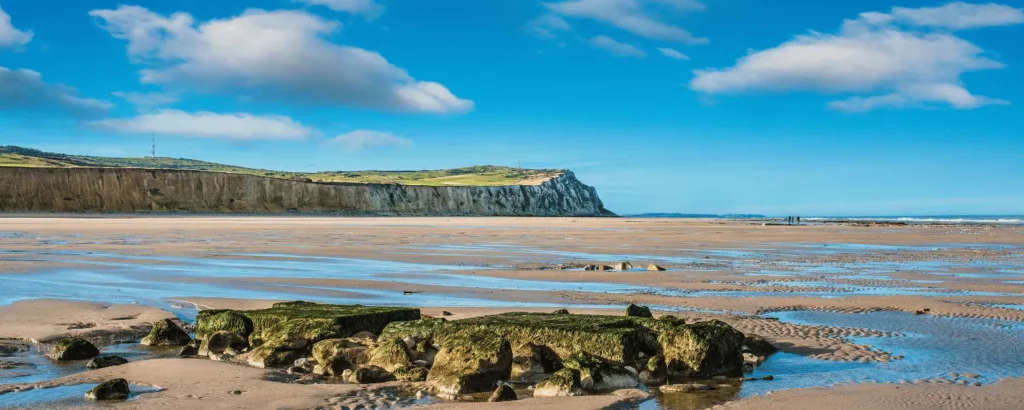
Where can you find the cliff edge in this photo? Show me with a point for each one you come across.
(91, 189)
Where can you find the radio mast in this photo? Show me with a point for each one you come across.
(154, 144)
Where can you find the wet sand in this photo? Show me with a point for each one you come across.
(730, 270)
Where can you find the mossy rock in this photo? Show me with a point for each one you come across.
(390, 354)
(315, 322)
(703, 349)
(757, 345)
(100, 362)
(73, 348)
(209, 322)
(655, 372)
(638, 311)
(596, 374)
(563, 383)
(614, 339)
(334, 356)
(540, 362)
(191, 348)
(116, 389)
(471, 362)
(410, 374)
(166, 333)
(275, 353)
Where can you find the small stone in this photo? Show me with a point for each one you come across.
(116, 389)
(655, 268)
(504, 392)
(446, 313)
(420, 394)
(623, 266)
(236, 392)
(105, 361)
(561, 312)
(972, 375)
(638, 311)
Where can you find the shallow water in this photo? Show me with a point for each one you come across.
(61, 397)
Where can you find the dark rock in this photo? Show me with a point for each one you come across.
(411, 374)
(220, 341)
(73, 348)
(446, 313)
(757, 345)
(638, 311)
(561, 312)
(191, 348)
(655, 372)
(105, 361)
(166, 333)
(504, 392)
(116, 389)
(372, 374)
(702, 349)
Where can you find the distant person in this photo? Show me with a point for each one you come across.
(798, 220)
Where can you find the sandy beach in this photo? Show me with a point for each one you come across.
(849, 297)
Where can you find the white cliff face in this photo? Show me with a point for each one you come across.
(144, 190)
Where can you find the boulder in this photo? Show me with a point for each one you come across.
(334, 356)
(471, 362)
(563, 383)
(191, 348)
(419, 330)
(100, 362)
(504, 392)
(274, 353)
(314, 322)
(638, 311)
(116, 389)
(411, 374)
(390, 354)
(671, 320)
(655, 268)
(73, 348)
(757, 345)
(365, 335)
(166, 333)
(623, 266)
(371, 374)
(561, 312)
(220, 341)
(209, 322)
(702, 349)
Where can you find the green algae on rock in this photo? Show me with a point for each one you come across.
(116, 389)
(372, 374)
(390, 354)
(166, 333)
(212, 321)
(563, 383)
(471, 362)
(638, 311)
(220, 341)
(100, 362)
(334, 356)
(756, 345)
(702, 349)
(411, 374)
(315, 322)
(504, 392)
(73, 348)
(595, 374)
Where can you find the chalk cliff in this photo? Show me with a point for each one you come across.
(160, 190)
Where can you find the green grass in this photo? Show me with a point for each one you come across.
(483, 175)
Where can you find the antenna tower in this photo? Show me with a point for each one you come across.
(154, 145)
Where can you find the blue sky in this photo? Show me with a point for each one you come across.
(717, 106)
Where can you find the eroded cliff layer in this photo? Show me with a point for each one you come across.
(152, 190)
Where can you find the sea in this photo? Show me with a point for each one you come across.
(910, 219)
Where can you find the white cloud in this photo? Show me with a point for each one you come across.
(236, 127)
(547, 24)
(910, 67)
(673, 54)
(364, 139)
(960, 15)
(366, 8)
(279, 55)
(25, 90)
(640, 17)
(148, 100)
(10, 36)
(617, 48)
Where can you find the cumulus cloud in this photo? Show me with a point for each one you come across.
(10, 36)
(148, 100)
(25, 90)
(364, 139)
(366, 8)
(903, 66)
(673, 54)
(276, 55)
(617, 48)
(236, 127)
(546, 25)
(640, 17)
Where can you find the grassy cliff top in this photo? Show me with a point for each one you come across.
(483, 175)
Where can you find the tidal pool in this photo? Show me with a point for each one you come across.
(60, 397)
